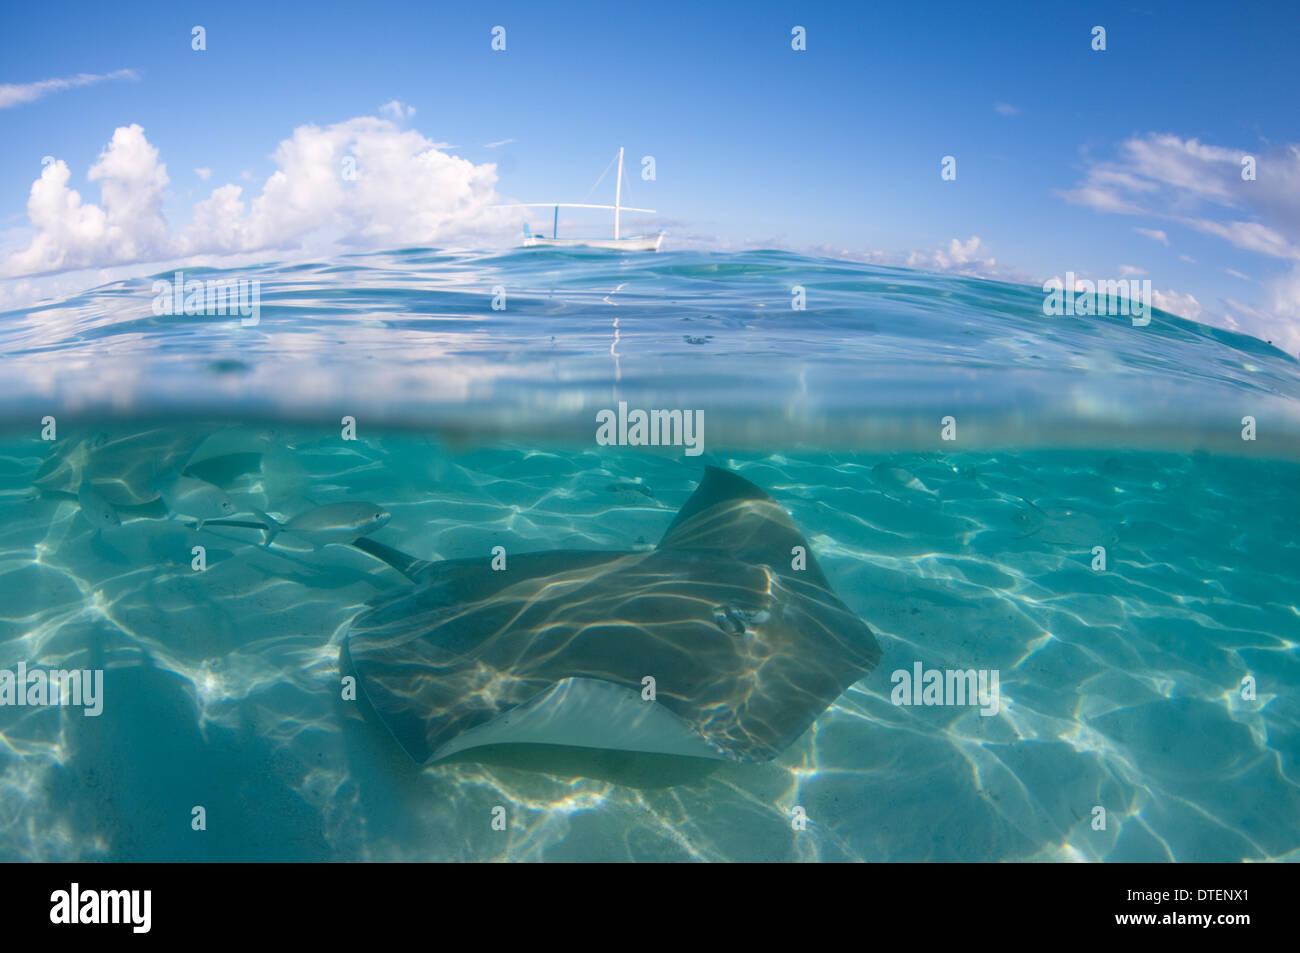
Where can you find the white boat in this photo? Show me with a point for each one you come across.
(631, 243)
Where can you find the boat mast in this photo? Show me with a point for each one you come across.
(618, 191)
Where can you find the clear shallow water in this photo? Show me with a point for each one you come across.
(476, 428)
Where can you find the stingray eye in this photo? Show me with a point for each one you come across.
(227, 507)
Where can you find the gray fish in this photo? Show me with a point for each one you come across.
(744, 649)
(192, 498)
(629, 488)
(332, 523)
(896, 478)
(97, 510)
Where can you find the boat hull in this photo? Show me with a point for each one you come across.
(650, 243)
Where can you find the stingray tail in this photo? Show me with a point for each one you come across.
(408, 566)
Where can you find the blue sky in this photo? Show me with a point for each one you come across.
(1062, 152)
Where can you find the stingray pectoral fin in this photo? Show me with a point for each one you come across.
(588, 713)
(728, 514)
(718, 486)
(420, 654)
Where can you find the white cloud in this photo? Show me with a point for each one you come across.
(1278, 321)
(958, 257)
(961, 257)
(404, 191)
(1185, 164)
(1128, 271)
(1006, 109)
(1155, 234)
(1183, 305)
(1201, 187)
(1252, 236)
(1236, 274)
(1285, 302)
(396, 111)
(1187, 258)
(1191, 183)
(203, 173)
(127, 226)
(1103, 199)
(15, 94)
(498, 144)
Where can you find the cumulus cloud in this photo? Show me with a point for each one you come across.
(203, 173)
(364, 178)
(970, 258)
(1155, 234)
(959, 256)
(1278, 319)
(15, 94)
(126, 226)
(364, 183)
(1128, 271)
(1285, 302)
(396, 111)
(1183, 305)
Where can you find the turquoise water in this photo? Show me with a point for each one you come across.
(1119, 688)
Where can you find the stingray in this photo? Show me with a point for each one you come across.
(744, 649)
